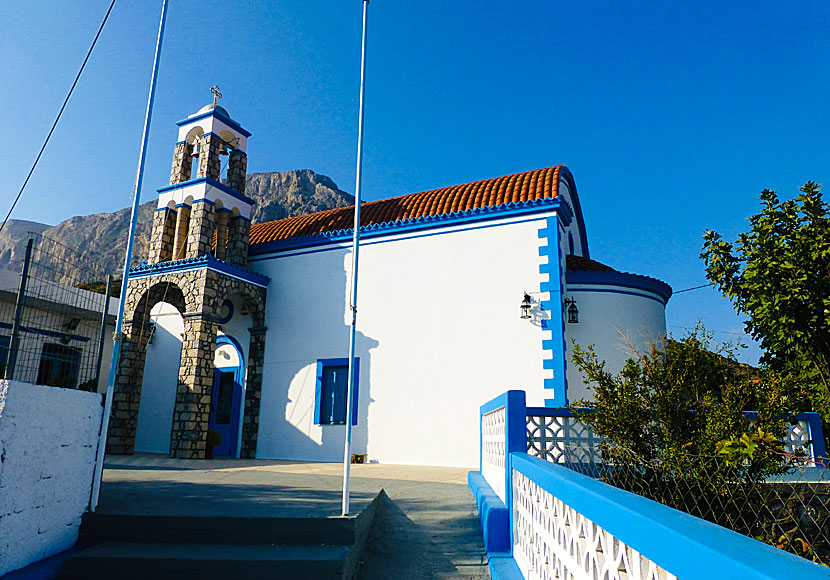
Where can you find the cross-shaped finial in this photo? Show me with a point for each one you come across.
(216, 94)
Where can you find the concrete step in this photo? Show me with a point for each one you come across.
(128, 561)
(97, 527)
(129, 547)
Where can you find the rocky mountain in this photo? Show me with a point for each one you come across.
(101, 237)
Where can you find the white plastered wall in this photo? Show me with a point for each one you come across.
(161, 372)
(439, 334)
(48, 439)
(618, 321)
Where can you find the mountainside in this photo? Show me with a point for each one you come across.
(102, 237)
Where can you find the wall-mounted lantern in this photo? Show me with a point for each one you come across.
(572, 310)
(525, 307)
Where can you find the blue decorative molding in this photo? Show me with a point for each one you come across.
(207, 261)
(555, 325)
(662, 290)
(410, 225)
(214, 113)
(318, 388)
(211, 182)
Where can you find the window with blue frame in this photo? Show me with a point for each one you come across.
(332, 385)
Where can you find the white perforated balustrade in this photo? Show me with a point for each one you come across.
(562, 440)
(552, 541)
(493, 425)
(798, 438)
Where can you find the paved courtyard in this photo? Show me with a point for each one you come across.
(427, 529)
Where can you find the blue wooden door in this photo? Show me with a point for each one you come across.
(224, 409)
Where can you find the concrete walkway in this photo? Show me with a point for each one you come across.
(428, 528)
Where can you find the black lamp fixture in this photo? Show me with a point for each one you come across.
(525, 307)
(572, 310)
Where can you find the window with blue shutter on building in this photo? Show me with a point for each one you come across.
(332, 384)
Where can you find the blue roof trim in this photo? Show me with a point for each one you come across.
(566, 174)
(623, 279)
(214, 113)
(213, 183)
(410, 225)
(206, 261)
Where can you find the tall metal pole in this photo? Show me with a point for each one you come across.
(355, 246)
(14, 342)
(119, 321)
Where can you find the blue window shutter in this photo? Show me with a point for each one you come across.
(330, 391)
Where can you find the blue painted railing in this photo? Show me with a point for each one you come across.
(561, 523)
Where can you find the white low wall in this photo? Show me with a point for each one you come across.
(48, 440)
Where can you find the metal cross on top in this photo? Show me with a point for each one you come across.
(216, 94)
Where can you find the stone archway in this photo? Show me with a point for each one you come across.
(198, 294)
(142, 295)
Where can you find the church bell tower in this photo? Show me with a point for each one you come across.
(197, 263)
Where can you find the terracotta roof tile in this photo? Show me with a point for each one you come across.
(582, 264)
(527, 186)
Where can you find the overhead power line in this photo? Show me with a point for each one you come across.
(55, 124)
(694, 288)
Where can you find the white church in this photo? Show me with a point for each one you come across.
(464, 292)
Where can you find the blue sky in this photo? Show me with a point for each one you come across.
(671, 116)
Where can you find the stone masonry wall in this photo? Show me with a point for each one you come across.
(161, 238)
(239, 236)
(182, 163)
(210, 164)
(237, 169)
(202, 226)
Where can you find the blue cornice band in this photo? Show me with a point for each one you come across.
(623, 279)
(213, 183)
(206, 261)
(214, 113)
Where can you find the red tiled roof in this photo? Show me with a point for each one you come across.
(581, 264)
(527, 186)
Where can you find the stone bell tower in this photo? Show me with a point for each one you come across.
(197, 262)
(193, 208)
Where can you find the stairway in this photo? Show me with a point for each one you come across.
(160, 547)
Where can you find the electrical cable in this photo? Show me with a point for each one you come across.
(55, 124)
(693, 288)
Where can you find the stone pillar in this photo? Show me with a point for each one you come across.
(127, 389)
(188, 437)
(239, 238)
(200, 232)
(222, 216)
(161, 238)
(237, 169)
(210, 164)
(182, 162)
(253, 392)
(182, 226)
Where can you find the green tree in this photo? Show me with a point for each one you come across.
(778, 275)
(685, 400)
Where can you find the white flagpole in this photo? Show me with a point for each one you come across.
(347, 457)
(119, 321)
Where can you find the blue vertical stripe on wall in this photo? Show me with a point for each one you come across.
(554, 327)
